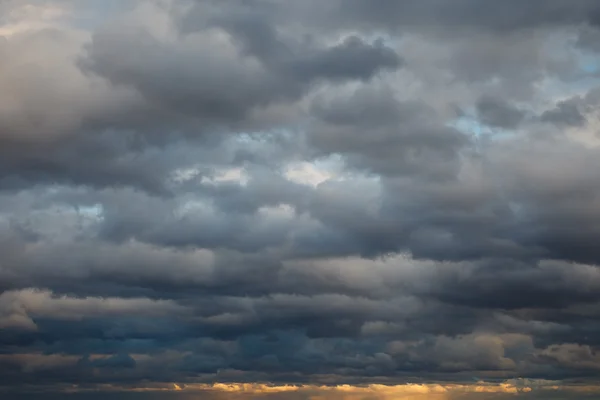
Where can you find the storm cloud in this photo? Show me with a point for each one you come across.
(299, 200)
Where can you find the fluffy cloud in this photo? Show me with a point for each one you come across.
(400, 197)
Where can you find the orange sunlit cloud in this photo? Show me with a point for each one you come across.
(433, 391)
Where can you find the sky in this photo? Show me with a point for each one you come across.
(299, 200)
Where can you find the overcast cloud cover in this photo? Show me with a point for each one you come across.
(285, 197)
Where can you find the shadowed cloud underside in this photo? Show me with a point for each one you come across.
(351, 199)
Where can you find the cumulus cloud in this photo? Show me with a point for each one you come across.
(18, 307)
(345, 199)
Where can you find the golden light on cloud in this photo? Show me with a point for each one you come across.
(433, 391)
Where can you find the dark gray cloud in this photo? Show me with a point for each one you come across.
(250, 68)
(317, 194)
(497, 113)
(566, 113)
(379, 133)
(470, 14)
(574, 111)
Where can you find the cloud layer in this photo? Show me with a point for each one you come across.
(343, 193)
